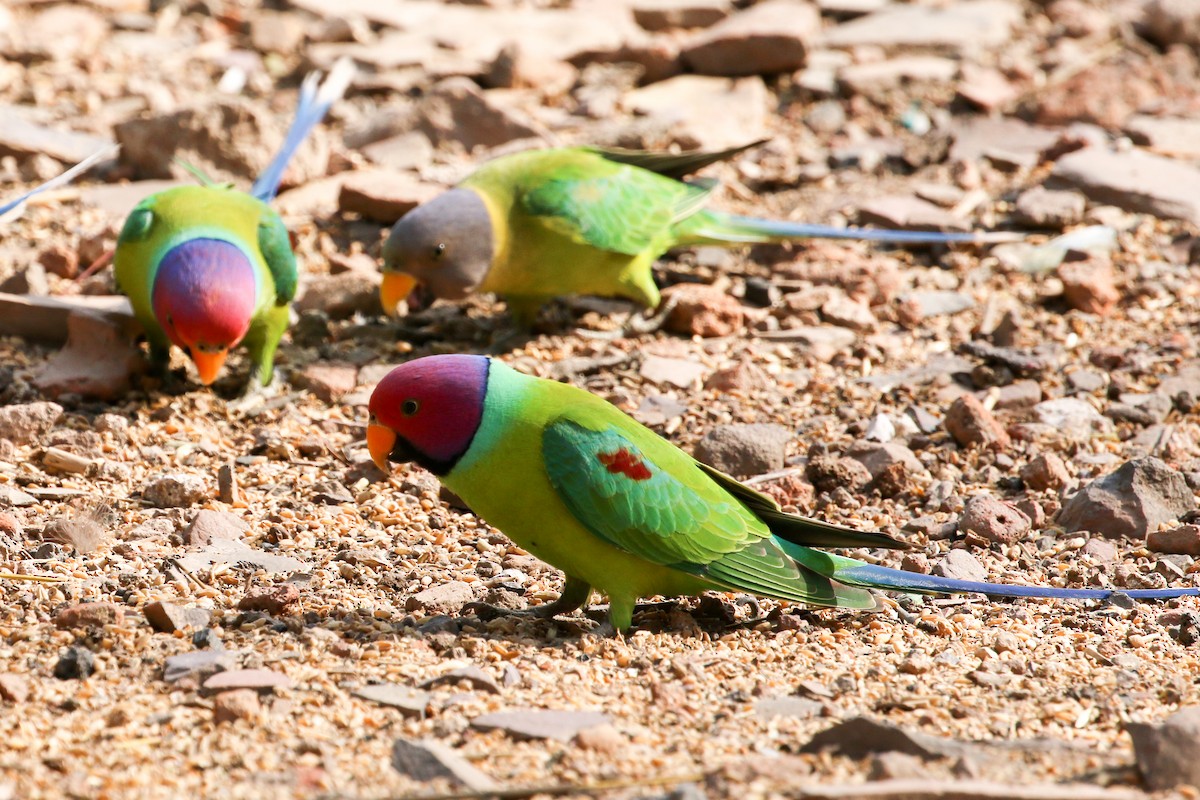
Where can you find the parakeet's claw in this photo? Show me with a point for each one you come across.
(575, 595)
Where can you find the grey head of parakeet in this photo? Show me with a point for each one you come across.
(446, 245)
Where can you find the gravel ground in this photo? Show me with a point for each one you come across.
(347, 578)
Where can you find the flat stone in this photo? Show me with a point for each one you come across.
(960, 565)
(702, 310)
(531, 723)
(341, 296)
(208, 525)
(769, 37)
(329, 381)
(410, 702)
(1046, 471)
(674, 371)
(21, 138)
(228, 551)
(875, 75)
(1183, 540)
(859, 737)
(971, 424)
(1168, 754)
(456, 109)
(987, 88)
(824, 342)
(910, 213)
(199, 664)
(683, 105)
(993, 519)
(978, 137)
(12, 497)
(658, 15)
(1089, 285)
(99, 361)
(1132, 501)
(236, 704)
(405, 151)
(964, 26)
(167, 617)
(441, 598)
(840, 310)
(471, 674)
(262, 680)
(1046, 208)
(273, 600)
(1135, 181)
(428, 760)
(877, 457)
(1071, 417)
(90, 615)
(14, 688)
(384, 195)
(795, 707)
(829, 473)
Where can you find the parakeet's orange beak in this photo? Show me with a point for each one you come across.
(396, 286)
(208, 362)
(380, 441)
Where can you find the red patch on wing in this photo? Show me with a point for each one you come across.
(625, 463)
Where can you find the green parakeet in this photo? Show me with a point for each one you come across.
(12, 209)
(209, 267)
(540, 224)
(582, 486)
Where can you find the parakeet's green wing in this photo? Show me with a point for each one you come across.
(623, 210)
(276, 248)
(675, 518)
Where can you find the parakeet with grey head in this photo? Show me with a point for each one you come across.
(541, 224)
(207, 268)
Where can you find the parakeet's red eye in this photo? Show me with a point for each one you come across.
(440, 250)
(410, 407)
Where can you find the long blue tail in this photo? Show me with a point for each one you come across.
(314, 103)
(870, 576)
(715, 226)
(61, 180)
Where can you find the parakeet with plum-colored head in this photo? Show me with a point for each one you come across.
(589, 490)
(208, 268)
(541, 224)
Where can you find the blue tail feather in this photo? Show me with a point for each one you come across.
(734, 228)
(315, 101)
(62, 179)
(871, 576)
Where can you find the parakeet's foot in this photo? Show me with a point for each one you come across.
(574, 595)
(637, 324)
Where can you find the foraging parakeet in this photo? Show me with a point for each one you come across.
(582, 486)
(541, 224)
(12, 209)
(208, 267)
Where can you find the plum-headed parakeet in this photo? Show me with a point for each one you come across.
(12, 209)
(541, 224)
(582, 486)
(209, 267)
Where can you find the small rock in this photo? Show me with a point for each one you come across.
(76, 663)
(1130, 502)
(862, 736)
(1134, 181)
(907, 212)
(766, 38)
(1088, 286)
(236, 704)
(528, 723)
(441, 598)
(261, 680)
(199, 664)
(274, 600)
(176, 490)
(681, 105)
(227, 487)
(702, 310)
(384, 195)
(743, 377)
(1019, 394)
(846, 313)
(796, 707)
(341, 296)
(658, 15)
(916, 307)
(878, 457)
(745, 450)
(232, 551)
(25, 423)
(973, 425)
(994, 520)
(1184, 540)
(456, 109)
(28, 281)
(90, 615)
(828, 473)
(331, 493)
(1046, 208)
(428, 761)
(208, 525)
(1168, 755)
(1046, 471)
(470, 674)
(960, 565)
(167, 617)
(603, 739)
(410, 702)
(12, 497)
(892, 765)
(329, 381)
(1172, 22)
(13, 688)
(1072, 418)
(675, 371)
(1101, 551)
(99, 360)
